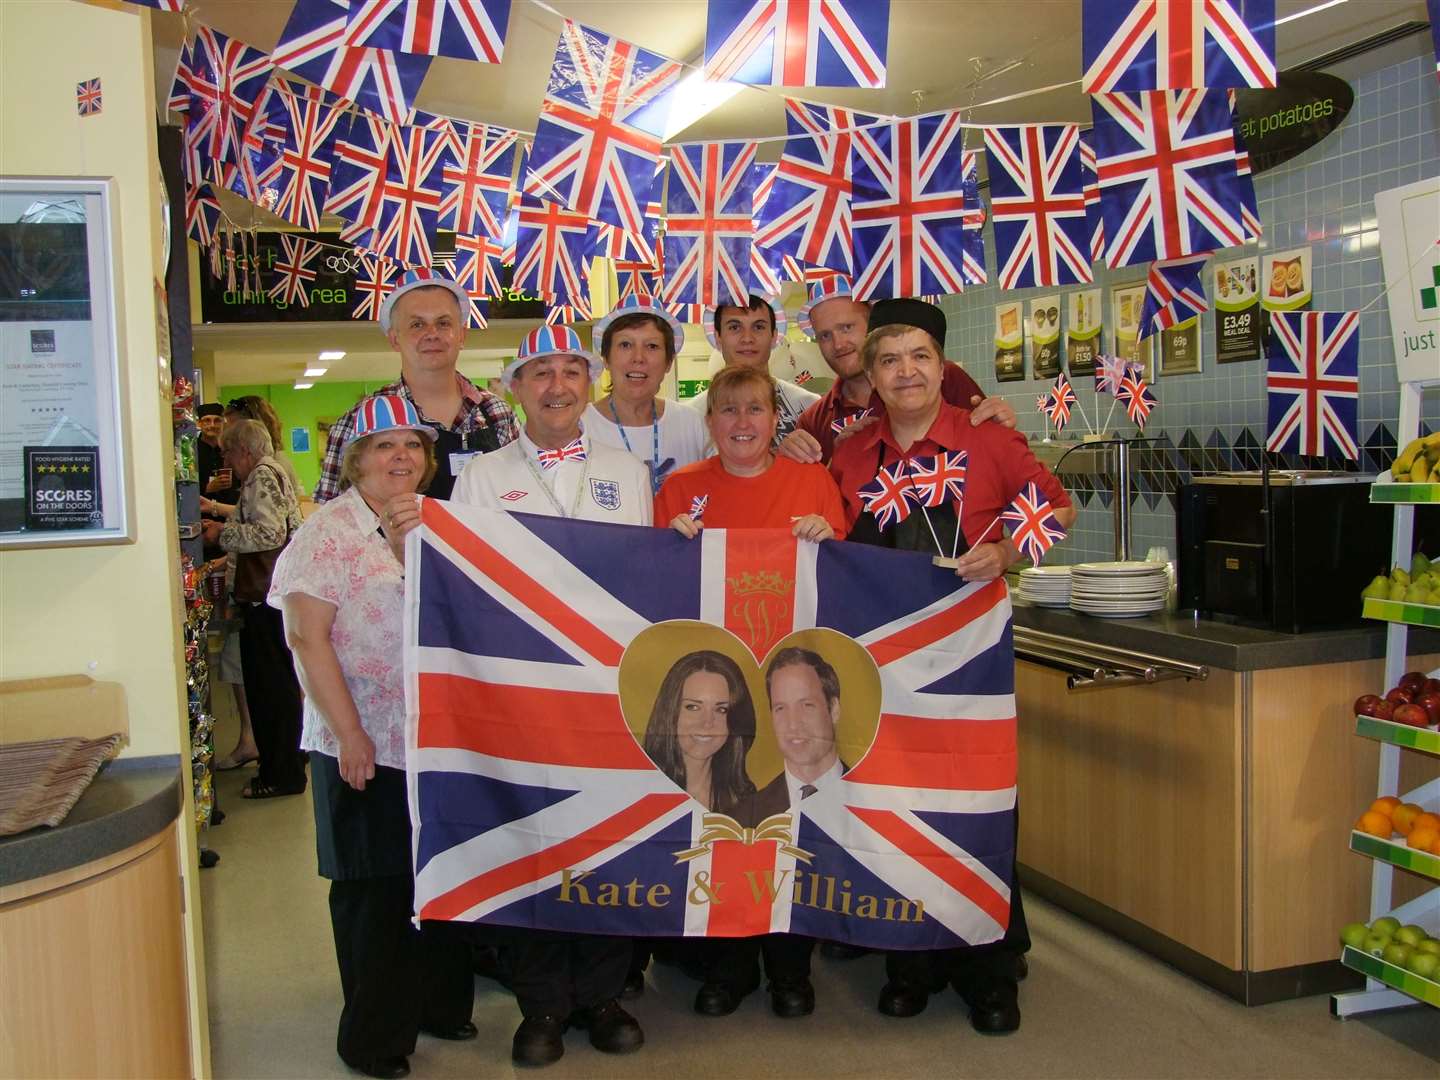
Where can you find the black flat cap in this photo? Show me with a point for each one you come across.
(904, 311)
(211, 408)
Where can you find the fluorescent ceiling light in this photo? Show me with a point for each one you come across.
(303, 385)
(695, 98)
(1308, 11)
(315, 372)
(332, 356)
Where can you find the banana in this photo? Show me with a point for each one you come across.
(1401, 469)
(1420, 471)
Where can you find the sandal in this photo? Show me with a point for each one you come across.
(225, 764)
(257, 790)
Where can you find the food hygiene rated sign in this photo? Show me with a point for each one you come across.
(62, 487)
(1409, 220)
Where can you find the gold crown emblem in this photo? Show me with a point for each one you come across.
(765, 581)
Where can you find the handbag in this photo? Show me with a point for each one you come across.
(253, 568)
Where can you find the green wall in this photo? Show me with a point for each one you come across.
(302, 409)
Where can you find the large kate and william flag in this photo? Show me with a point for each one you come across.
(535, 805)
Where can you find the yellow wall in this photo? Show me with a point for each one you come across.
(116, 607)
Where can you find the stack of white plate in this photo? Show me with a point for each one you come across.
(1118, 590)
(1046, 586)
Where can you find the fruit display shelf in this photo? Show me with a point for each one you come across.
(1396, 854)
(1403, 494)
(1426, 990)
(1398, 611)
(1414, 738)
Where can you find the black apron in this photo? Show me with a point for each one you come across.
(913, 534)
(447, 442)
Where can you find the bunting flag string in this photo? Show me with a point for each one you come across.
(709, 201)
(224, 78)
(477, 183)
(797, 42)
(294, 270)
(290, 151)
(1173, 294)
(465, 29)
(1037, 205)
(551, 247)
(972, 266)
(1312, 383)
(1177, 44)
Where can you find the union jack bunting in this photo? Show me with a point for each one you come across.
(1433, 8)
(477, 183)
(551, 249)
(1094, 220)
(1034, 528)
(88, 98)
(887, 498)
(565, 314)
(692, 314)
(478, 273)
(707, 226)
(535, 803)
(388, 181)
(765, 266)
(202, 213)
(1312, 382)
(1061, 399)
(807, 213)
(290, 151)
(464, 29)
(1134, 393)
(315, 46)
(1173, 293)
(697, 507)
(598, 136)
(294, 270)
(972, 267)
(1177, 44)
(1109, 370)
(374, 279)
(179, 99)
(636, 252)
(940, 479)
(1037, 205)
(1249, 205)
(906, 208)
(224, 78)
(1167, 174)
(160, 5)
(797, 42)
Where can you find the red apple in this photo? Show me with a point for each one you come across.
(1431, 704)
(1384, 711)
(1365, 704)
(1432, 686)
(1400, 697)
(1414, 715)
(1412, 682)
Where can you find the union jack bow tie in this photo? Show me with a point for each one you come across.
(571, 451)
(837, 426)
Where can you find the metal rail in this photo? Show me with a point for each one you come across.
(1091, 666)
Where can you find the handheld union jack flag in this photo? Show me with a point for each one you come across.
(224, 78)
(294, 270)
(1177, 44)
(841, 423)
(887, 498)
(797, 42)
(1109, 371)
(374, 278)
(1312, 382)
(464, 29)
(807, 215)
(972, 266)
(1060, 400)
(1173, 293)
(1037, 205)
(1166, 164)
(709, 201)
(940, 479)
(1034, 529)
(551, 248)
(88, 98)
(1134, 393)
(1042, 405)
(290, 151)
(598, 136)
(315, 45)
(532, 793)
(906, 208)
(697, 507)
(477, 183)
(1094, 220)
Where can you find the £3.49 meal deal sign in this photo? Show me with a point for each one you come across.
(1410, 248)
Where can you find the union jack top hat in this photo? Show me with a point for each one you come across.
(419, 278)
(827, 287)
(550, 341)
(776, 305)
(388, 412)
(639, 305)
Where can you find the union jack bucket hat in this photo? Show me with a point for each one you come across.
(828, 287)
(418, 278)
(550, 341)
(388, 412)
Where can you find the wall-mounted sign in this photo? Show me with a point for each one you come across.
(1010, 342)
(1237, 310)
(62, 487)
(1180, 348)
(1304, 107)
(1126, 304)
(1082, 330)
(1409, 220)
(1044, 329)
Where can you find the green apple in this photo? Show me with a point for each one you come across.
(1411, 935)
(1353, 934)
(1426, 965)
(1375, 944)
(1396, 954)
(1429, 945)
(1386, 925)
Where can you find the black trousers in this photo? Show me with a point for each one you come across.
(273, 694)
(396, 979)
(553, 973)
(736, 960)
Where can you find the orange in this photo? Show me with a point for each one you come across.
(1375, 824)
(1427, 821)
(1422, 839)
(1403, 817)
(1435, 847)
(1386, 805)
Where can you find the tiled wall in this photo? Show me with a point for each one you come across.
(1216, 419)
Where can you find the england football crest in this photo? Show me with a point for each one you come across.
(606, 494)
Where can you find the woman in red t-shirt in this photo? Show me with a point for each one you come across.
(746, 485)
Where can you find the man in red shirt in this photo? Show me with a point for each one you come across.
(838, 324)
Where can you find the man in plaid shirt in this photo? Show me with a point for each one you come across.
(422, 318)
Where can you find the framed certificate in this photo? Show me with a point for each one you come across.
(62, 464)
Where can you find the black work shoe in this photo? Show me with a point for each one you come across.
(721, 999)
(462, 1033)
(634, 985)
(539, 1040)
(994, 1005)
(901, 998)
(612, 1029)
(382, 1068)
(1022, 968)
(791, 998)
(841, 950)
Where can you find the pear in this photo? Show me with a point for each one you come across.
(1419, 565)
(1397, 590)
(1379, 589)
(1418, 593)
(1400, 576)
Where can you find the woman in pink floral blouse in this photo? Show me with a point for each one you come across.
(342, 589)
